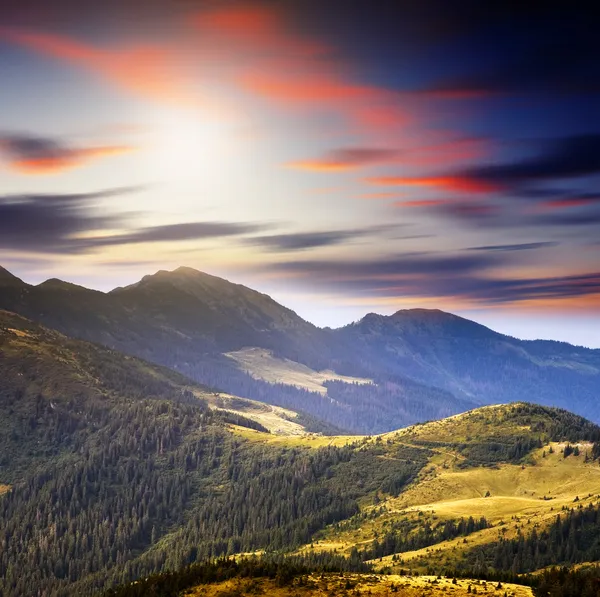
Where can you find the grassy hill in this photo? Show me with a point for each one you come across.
(113, 468)
(331, 585)
(118, 468)
(503, 463)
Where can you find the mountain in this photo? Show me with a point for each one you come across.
(193, 312)
(412, 366)
(113, 468)
(473, 362)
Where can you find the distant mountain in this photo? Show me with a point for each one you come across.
(473, 362)
(424, 364)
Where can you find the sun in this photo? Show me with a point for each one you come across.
(186, 147)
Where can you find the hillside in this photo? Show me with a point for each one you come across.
(189, 321)
(119, 468)
(424, 364)
(473, 362)
(503, 464)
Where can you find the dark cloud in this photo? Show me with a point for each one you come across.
(578, 213)
(550, 61)
(432, 276)
(510, 290)
(299, 241)
(422, 264)
(174, 233)
(63, 224)
(30, 154)
(27, 146)
(46, 222)
(515, 247)
(582, 219)
(559, 158)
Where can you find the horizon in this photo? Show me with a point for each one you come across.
(344, 158)
(487, 322)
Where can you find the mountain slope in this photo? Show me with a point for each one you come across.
(189, 310)
(423, 364)
(118, 468)
(189, 321)
(504, 469)
(475, 363)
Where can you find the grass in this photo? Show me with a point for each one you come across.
(444, 491)
(359, 584)
(308, 440)
(261, 364)
(278, 420)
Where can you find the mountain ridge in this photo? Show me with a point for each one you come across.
(424, 363)
(120, 469)
(425, 313)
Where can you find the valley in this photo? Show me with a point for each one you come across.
(196, 472)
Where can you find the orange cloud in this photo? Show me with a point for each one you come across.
(277, 63)
(149, 70)
(422, 203)
(257, 29)
(456, 184)
(381, 195)
(64, 159)
(350, 158)
(315, 166)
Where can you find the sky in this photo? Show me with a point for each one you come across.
(343, 156)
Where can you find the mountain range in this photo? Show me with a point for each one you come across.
(112, 468)
(372, 376)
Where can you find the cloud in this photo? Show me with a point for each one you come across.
(510, 290)
(420, 264)
(174, 233)
(572, 200)
(422, 203)
(151, 71)
(29, 154)
(544, 63)
(568, 157)
(299, 241)
(47, 223)
(515, 247)
(272, 60)
(381, 195)
(437, 153)
(474, 279)
(347, 159)
(454, 184)
(73, 224)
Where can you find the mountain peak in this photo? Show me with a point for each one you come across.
(424, 322)
(421, 313)
(178, 276)
(58, 284)
(6, 278)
